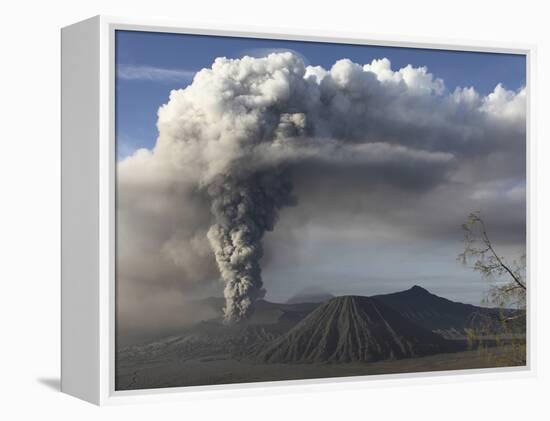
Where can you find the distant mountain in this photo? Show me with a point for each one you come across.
(267, 312)
(445, 316)
(353, 328)
(319, 297)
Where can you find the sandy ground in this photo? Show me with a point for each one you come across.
(222, 369)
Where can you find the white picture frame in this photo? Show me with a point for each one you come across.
(88, 213)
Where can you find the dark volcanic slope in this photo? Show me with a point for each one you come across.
(439, 314)
(353, 328)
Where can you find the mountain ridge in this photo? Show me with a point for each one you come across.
(439, 314)
(353, 328)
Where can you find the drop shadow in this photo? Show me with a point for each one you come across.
(53, 383)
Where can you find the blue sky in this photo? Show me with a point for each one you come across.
(149, 65)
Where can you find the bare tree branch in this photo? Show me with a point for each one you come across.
(480, 253)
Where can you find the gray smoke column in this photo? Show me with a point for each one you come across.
(244, 210)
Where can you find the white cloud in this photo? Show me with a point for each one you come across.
(506, 104)
(417, 79)
(264, 52)
(316, 72)
(129, 72)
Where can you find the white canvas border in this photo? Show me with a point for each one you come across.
(107, 217)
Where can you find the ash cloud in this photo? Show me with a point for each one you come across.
(244, 210)
(253, 136)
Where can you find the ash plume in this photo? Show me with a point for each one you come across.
(244, 210)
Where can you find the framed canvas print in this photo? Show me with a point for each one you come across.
(246, 208)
